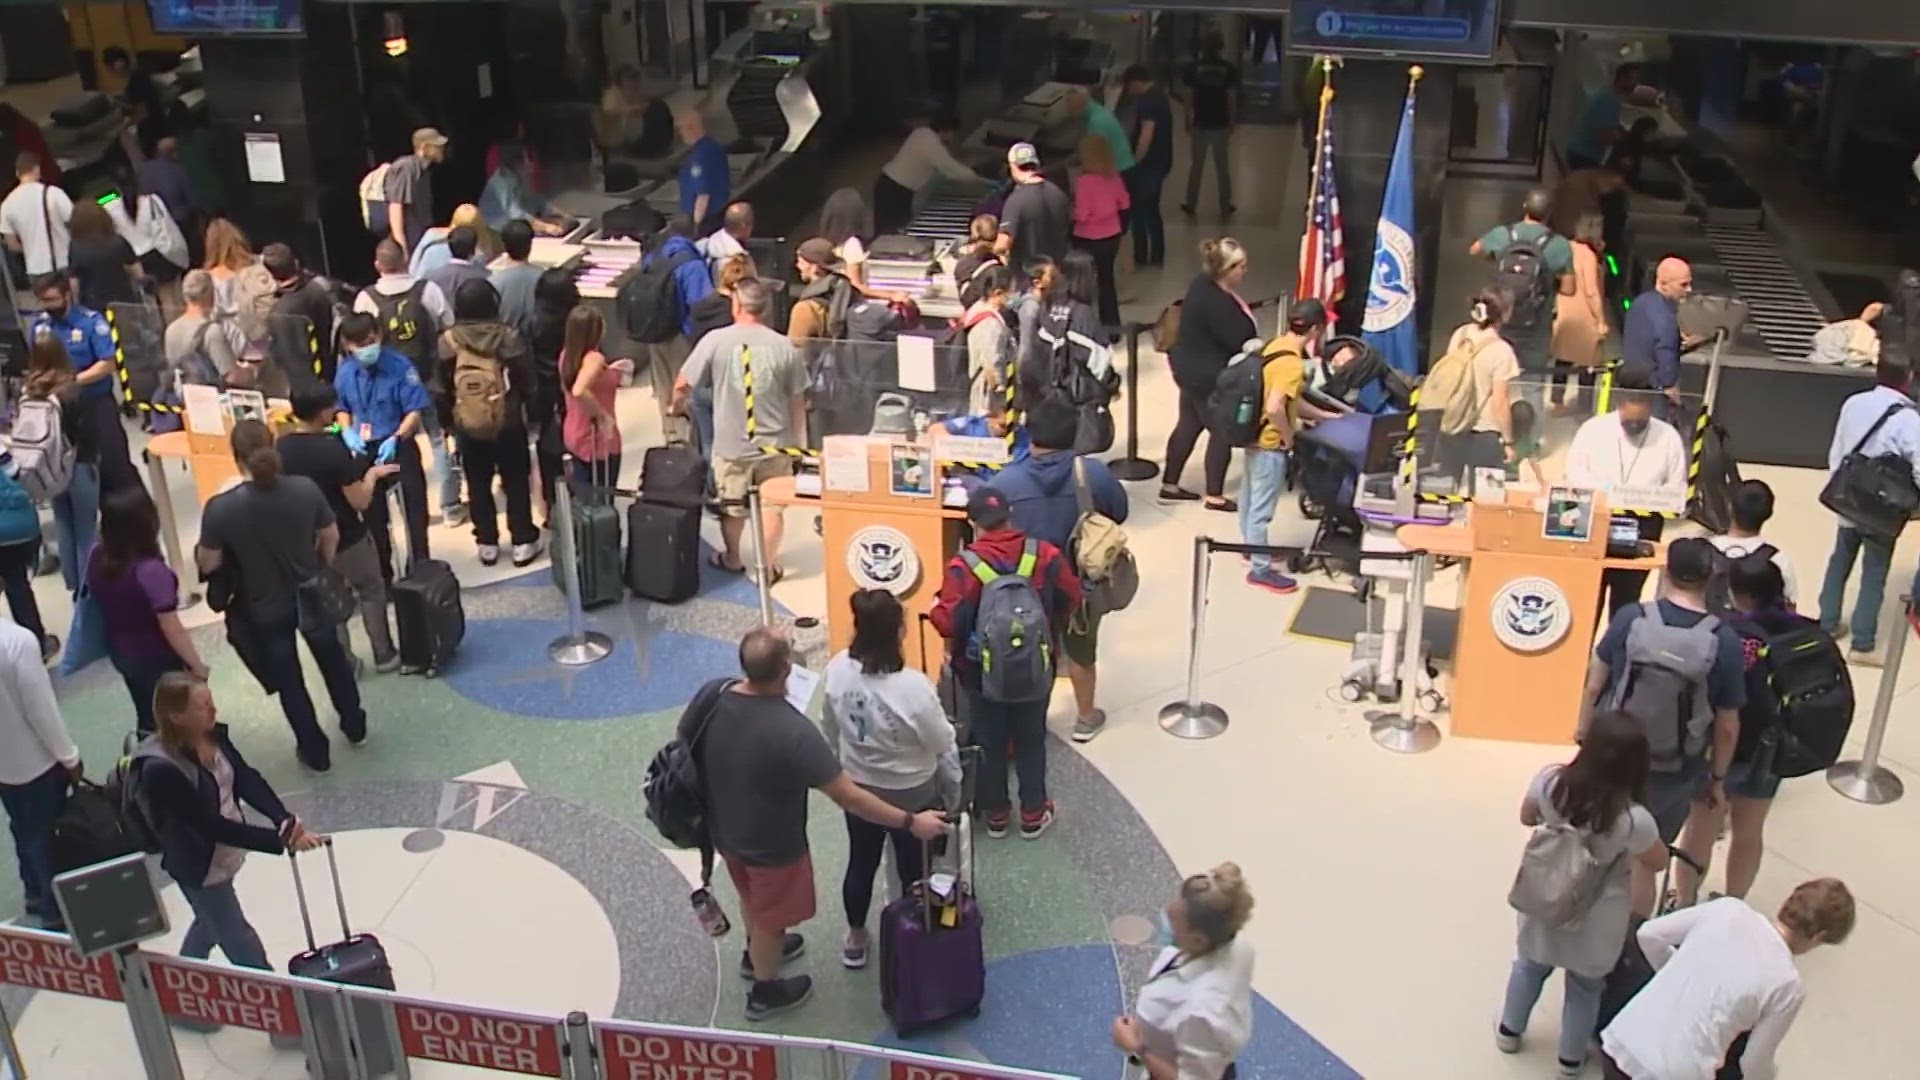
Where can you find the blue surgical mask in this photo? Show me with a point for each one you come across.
(1163, 931)
(367, 354)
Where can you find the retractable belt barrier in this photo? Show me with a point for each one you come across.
(357, 1033)
(1864, 779)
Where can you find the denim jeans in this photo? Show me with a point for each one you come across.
(218, 920)
(1209, 141)
(1264, 473)
(31, 808)
(1143, 220)
(1876, 556)
(280, 653)
(446, 479)
(76, 521)
(995, 724)
(1578, 1012)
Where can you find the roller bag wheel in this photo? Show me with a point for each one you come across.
(354, 960)
(663, 551)
(673, 476)
(598, 551)
(933, 957)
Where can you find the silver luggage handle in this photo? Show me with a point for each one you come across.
(300, 894)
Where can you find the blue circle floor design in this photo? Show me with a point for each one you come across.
(648, 671)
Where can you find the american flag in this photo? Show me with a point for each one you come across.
(1323, 255)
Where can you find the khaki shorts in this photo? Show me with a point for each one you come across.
(733, 478)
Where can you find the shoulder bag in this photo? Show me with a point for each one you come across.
(1876, 495)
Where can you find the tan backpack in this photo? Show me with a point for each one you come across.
(1109, 576)
(479, 393)
(1449, 389)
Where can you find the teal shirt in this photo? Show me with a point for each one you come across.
(1102, 122)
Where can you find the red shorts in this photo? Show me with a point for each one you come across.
(773, 897)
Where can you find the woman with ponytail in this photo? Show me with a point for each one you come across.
(1489, 442)
(1194, 1014)
(278, 533)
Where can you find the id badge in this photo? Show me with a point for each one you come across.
(366, 432)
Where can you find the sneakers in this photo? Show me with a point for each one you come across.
(853, 952)
(1272, 580)
(791, 949)
(781, 995)
(1085, 728)
(1569, 1070)
(524, 554)
(1507, 1041)
(997, 821)
(356, 737)
(1033, 823)
(489, 554)
(387, 664)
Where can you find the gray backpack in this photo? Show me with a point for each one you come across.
(1011, 629)
(1558, 877)
(893, 415)
(1665, 685)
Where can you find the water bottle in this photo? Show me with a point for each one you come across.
(1244, 414)
(713, 917)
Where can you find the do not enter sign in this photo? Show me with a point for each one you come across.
(910, 1070)
(40, 964)
(224, 996)
(653, 1055)
(471, 1037)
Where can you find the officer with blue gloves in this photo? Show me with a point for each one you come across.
(89, 343)
(381, 399)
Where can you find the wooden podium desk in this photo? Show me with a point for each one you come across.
(1528, 616)
(861, 533)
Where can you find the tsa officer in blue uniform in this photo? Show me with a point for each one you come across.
(383, 397)
(89, 343)
(706, 178)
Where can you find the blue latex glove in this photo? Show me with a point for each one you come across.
(389, 446)
(350, 435)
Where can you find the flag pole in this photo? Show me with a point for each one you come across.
(1301, 285)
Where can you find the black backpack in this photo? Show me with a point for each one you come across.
(1719, 597)
(709, 313)
(92, 828)
(1235, 408)
(676, 795)
(1811, 693)
(409, 328)
(1522, 273)
(650, 303)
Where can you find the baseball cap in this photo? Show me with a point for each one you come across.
(818, 251)
(1690, 561)
(988, 509)
(1306, 314)
(1022, 155)
(428, 137)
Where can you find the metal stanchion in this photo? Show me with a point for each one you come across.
(757, 519)
(169, 528)
(582, 1062)
(1191, 718)
(1404, 731)
(579, 646)
(1711, 391)
(1866, 780)
(1133, 466)
(152, 1036)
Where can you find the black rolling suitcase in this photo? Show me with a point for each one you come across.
(427, 612)
(673, 476)
(354, 960)
(663, 551)
(596, 535)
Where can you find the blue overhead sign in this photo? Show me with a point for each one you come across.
(1449, 29)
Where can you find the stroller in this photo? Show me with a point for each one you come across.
(1327, 462)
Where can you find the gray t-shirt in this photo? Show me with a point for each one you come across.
(515, 285)
(759, 758)
(270, 533)
(1038, 217)
(1590, 944)
(217, 343)
(410, 183)
(779, 376)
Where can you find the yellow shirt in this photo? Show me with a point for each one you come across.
(1284, 373)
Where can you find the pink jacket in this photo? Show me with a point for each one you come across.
(1098, 202)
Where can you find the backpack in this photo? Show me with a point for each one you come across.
(89, 829)
(1664, 686)
(1558, 878)
(1449, 389)
(873, 319)
(1235, 411)
(405, 322)
(1522, 273)
(675, 793)
(650, 302)
(373, 198)
(1719, 596)
(479, 384)
(19, 517)
(123, 788)
(197, 368)
(709, 313)
(973, 286)
(1811, 692)
(42, 456)
(1109, 576)
(1010, 627)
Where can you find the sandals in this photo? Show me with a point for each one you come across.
(1225, 506)
(719, 562)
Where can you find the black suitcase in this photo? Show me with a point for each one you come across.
(663, 551)
(596, 535)
(354, 960)
(673, 476)
(427, 612)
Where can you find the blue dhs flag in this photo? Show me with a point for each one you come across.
(1391, 293)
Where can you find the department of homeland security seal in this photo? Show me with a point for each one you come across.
(1390, 292)
(881, 557)
(1531, 615)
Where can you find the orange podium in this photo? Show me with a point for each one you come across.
(1528, 614)
(875, 539)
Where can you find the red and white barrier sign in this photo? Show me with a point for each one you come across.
(229, 996)
(44, 963)
(490, 1040)
(913, 1070)
(652, 1054)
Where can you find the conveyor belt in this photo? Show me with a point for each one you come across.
(753, 103)
(1779, 307)
(945, 217)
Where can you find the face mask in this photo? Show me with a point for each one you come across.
(1163, 931)
(368, 355)
(55, 312)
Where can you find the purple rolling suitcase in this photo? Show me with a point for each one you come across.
(929, 970)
